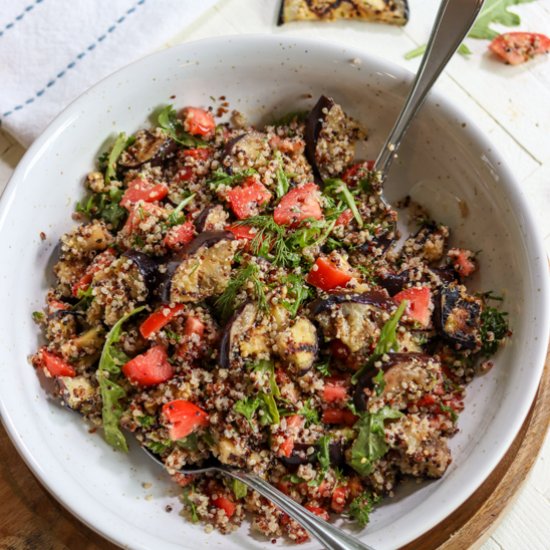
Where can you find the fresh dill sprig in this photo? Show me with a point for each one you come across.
(226, 302)
(219, 177)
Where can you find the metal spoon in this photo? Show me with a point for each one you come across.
(453, 21)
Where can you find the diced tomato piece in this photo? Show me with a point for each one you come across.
(183, 479)
(184, 418)
(294, 421)
(358, 171)
(149, 368)
(183, 175)
(179, 235)
(339, 416)
(283, 486)
(244, 199)
(318, 511)
(326, 275)
(419, 300)
(426, 400)
(140, 213)
(242, 231)
(159, 319)
(57, 305)
(335, 390)
(463, 261)
(298, 205)
(286, 145)
(339, 498)
(194, 331)
(286, 447)
(143, 190)
(99, 262)
(518, 47)
(198, 153)
(345, 217)
(198, 122)
(55, 364)
(223, 503)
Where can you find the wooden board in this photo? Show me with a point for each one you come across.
(31, 519)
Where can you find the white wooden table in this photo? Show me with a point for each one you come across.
(511, 104)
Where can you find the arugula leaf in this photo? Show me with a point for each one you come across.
(494, 328)
(495, 11)
(298, 290)
(271, 412)
(176, 217)
(189, 443)
(339, 188)
(361, 507)
(226, 302)
(282, 180)
(104, 206)
(323, 452)
(388, 334)
(240, 490)
(221, 178)
(386, 341)
(119, 145)
(191, 506)
(417, 52)
(268, 366)
(247, 407)
(158, 447)
(370, 444)
(168, 120)
(379, 382)
(112, 394)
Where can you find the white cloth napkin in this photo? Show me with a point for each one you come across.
(53, 50)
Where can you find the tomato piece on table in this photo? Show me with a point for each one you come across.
(419, 301)
(357, 172)
(345, 217)
(225, 504)
(183, 417)
(158, 319)
(339, 416)
(143, 190)
(149, 368)
(198, 122)
(335, 390)
(515, 48)
(326, 275)
(54, 364)
(298, 205)
(246, 198)
(99, 262)
(179, 235)
(463, 261)
(318, 511)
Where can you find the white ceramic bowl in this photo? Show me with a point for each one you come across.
(263, 76)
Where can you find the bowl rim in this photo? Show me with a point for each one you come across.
(533, 241)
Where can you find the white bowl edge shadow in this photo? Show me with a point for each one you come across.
(488, 428)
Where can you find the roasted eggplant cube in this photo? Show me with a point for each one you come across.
(457, 317)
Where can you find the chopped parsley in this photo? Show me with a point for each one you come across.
(146, 421)
(38, 316)
(494, 328)
(104, 206)
(310, 414)
(298, 291)
(324, 367)
(361, 507)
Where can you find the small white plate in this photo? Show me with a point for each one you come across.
(264, 76)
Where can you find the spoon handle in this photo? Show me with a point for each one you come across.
(328, 535)
(452, 23)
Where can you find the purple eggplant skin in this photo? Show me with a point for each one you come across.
(202, 219)
(208, 239)
(224, 355)
(336, 454)
(164, 280)
(228, 147)
(148, 148)
(366, 379)
(450, 300)
(314, 123)
(299, 455)
(379, 242)
(147, 266)
(393, 282)
(373, 297)
(446, 274)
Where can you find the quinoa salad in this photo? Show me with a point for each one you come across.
(242, 294)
